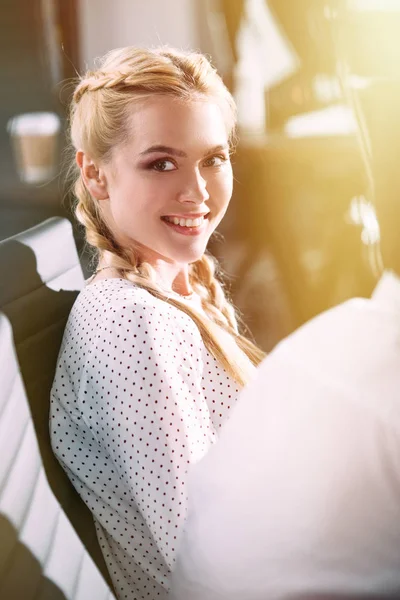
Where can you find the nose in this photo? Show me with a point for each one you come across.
(194, 190)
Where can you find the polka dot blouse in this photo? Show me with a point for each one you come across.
(135, 401)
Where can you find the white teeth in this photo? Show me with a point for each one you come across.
(186, 222)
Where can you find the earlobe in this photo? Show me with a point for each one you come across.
(93, 178)
(97, 188)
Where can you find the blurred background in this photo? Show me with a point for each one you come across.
(315, 213)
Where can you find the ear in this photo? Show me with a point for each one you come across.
(93, 177)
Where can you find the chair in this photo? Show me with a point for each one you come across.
(48, 544)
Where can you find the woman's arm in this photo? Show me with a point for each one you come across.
(138, 420)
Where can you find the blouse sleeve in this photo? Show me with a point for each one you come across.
(141, 397)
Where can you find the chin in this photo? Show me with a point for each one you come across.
(187, 253)
(188, 260)
(188, 257)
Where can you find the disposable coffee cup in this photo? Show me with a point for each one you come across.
(34, 137)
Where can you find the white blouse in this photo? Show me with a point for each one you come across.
(136, 399)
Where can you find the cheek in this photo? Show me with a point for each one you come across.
(133, 200)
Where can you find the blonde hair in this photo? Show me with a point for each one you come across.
(98, 122)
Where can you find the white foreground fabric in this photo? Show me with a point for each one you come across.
(300, 498)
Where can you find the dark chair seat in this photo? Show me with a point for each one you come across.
(48, 546)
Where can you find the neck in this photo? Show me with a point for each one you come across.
(170, 277)
(177, 280)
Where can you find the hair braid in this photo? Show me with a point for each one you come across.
(210, 290)
(110, 81)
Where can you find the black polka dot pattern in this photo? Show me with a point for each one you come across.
(136, 400)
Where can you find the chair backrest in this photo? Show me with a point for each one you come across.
(40, 277)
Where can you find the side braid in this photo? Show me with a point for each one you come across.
(215, 304)
(97, 234)
(210, 290)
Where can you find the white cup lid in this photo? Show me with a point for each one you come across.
(34, 123)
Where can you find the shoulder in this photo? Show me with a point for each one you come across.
(118, 297)
(116, 306)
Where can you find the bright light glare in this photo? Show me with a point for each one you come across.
(327, 88)
(363, 213)
(374, 5)
(334, 120)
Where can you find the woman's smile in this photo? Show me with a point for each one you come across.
(187, 224)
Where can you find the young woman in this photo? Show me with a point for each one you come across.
(151, 360)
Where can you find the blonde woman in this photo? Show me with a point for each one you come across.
(151, 361)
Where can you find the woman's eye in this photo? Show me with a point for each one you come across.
(215, 161)
(163, 165)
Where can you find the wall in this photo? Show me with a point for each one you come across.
(106, 24)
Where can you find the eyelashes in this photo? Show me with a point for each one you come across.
(159, 165)
(166, 165)
(220, 157)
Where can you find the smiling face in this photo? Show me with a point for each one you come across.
(170, 183)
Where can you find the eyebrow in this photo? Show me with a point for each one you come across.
(180, 153)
